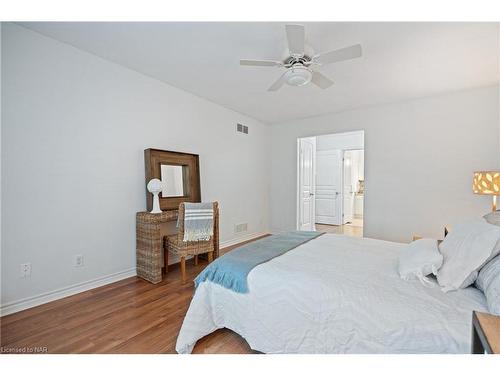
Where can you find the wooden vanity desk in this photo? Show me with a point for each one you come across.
(151, 229)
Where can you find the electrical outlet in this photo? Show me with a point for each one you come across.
(79, 260)
(25, 270)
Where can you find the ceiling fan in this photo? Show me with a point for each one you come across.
(298, 65)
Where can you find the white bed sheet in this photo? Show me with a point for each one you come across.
(335, 294)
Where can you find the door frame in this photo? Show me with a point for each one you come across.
(297, 188)
(343, 166)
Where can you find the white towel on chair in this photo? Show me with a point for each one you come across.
(198, 221)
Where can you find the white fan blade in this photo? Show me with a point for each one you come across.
(277, 85)
(321, 80)
(346, 53)
(296, 39)
(261, 63)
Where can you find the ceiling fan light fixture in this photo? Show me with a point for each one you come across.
(298, 75)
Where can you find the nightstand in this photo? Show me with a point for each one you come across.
(485, 333)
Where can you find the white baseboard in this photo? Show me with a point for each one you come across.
(239, 239)
(26, 303)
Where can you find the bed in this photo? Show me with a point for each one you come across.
(335, 294)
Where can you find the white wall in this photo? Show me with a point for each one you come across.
(419, 159)
(342, 141)
(74, 130)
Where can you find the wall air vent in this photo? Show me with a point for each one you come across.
(242, 128)
(238, 228)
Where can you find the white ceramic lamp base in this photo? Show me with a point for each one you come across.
(156, 204)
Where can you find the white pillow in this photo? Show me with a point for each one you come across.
(465, 250)
(488, 281)
(419, 259)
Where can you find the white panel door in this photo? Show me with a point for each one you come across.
(349, 187)
(307, 151)
(329, 187)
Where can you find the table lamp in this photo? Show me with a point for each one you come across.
(487, 183)
(155, 187)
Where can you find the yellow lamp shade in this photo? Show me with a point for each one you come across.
(486, 182)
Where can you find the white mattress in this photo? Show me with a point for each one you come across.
(335, 294)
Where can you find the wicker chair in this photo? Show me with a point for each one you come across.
(176, 245)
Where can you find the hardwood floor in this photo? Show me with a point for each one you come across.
(355, 229)
(129, 316)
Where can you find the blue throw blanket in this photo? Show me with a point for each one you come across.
(231, 269)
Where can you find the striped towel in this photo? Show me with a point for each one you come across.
(198, 221)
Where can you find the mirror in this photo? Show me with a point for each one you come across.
(179, 173)
(172, 180)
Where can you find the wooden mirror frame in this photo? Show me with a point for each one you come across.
(154, 158)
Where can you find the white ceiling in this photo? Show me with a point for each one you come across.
(400, 60)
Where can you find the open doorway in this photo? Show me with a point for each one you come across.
(330, 183)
